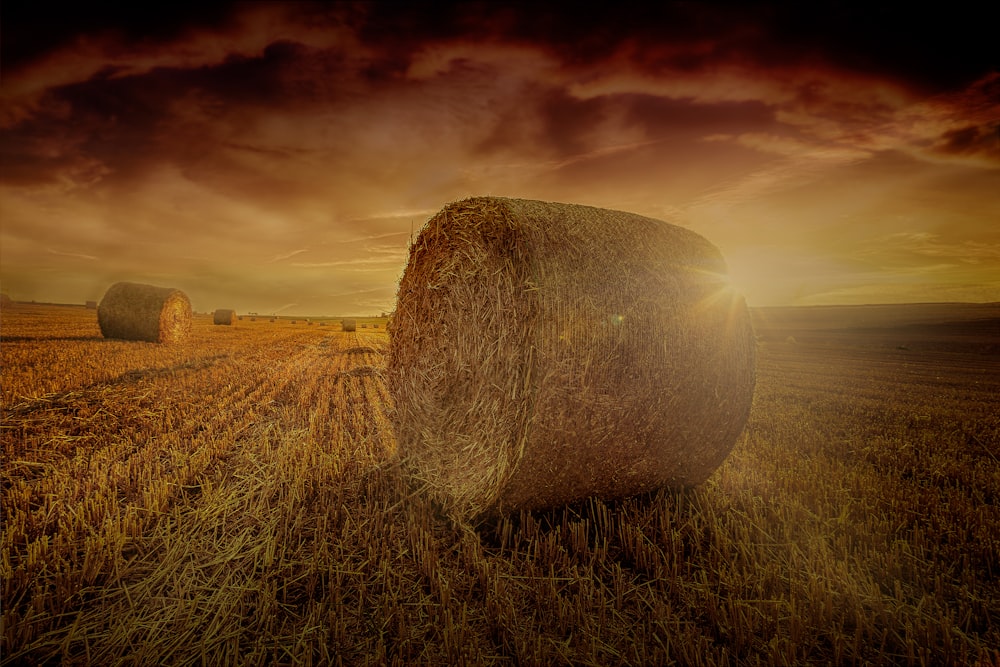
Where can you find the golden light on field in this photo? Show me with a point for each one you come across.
(237, 500)
(278, 156)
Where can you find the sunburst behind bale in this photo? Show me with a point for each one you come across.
(134, 311)
(224, 316)
(541, 353)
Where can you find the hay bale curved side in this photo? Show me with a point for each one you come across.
(348, 325)
(134, 311)
(541, 353)
(224, 316)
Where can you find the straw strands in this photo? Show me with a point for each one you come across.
(542, 353)
(224, 316)
(134, 311)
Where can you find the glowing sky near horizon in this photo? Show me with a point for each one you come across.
(276, 158)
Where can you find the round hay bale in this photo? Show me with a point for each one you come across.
(541, 353)
(348, 325)
(224, 316)
(90, 305)
(133, 311)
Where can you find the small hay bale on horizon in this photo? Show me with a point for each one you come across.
(348, 325)
(90, 305)
(225, 316)
(135, 311)
(542, 353)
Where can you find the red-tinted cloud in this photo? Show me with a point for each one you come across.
(281, 131)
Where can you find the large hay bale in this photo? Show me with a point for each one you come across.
(224, 316)
(348, 325)
(541, 353)
(133, 311)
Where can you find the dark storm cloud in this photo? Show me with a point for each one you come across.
(127, 122)
(281, 131)
(33, 28)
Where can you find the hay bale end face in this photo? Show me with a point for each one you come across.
(133, 311)
(224, 316)
(541, 353)
(348, 325)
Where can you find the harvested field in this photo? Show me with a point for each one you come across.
(237, 500)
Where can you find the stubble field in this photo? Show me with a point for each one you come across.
(237, 500)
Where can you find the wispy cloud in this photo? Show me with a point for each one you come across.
(376, 290)
(927, 244)
(286, 255)
(357, 262)
(75, 255)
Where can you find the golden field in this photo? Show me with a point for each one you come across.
(236, 500)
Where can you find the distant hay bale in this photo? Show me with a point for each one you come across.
(133, 311)
(541, 353)
(253, 319)
(5, 300)
(224, 316)
(348, 325)
(91, 305)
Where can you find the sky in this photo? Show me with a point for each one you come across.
(278, 157)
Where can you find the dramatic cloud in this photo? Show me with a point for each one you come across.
(279, 156)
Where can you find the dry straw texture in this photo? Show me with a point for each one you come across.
(541, 353)
(348, 325)
(134, 311)
(224, 316)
